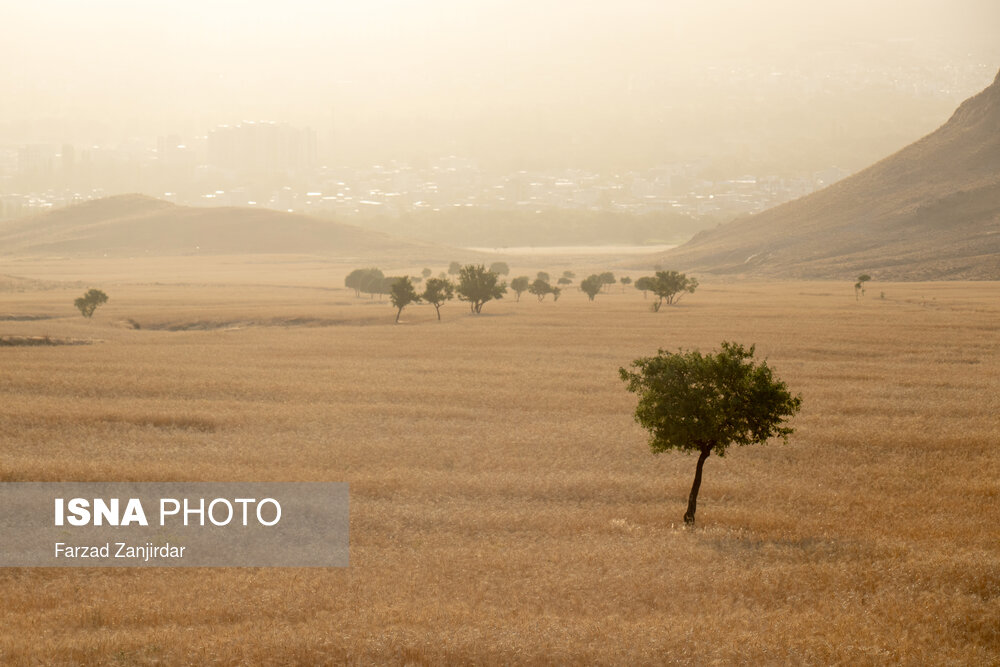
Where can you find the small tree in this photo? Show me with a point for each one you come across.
(625, 281)
(644, 284)
(454, 268)
(669, 286)
(556, 291)
(402, 294)
(591, 285)
(89, 302)
(477, 286)
(607, 278)
(563, 280)
(368, 281)
(436, 292)
(705, 403)
(542, 275)
(426, 273)
(569, 276)
(520, 284)
(540, 288)
(859, 287)
(500, 268)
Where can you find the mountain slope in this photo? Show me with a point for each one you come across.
(931, 211)
(129, 225)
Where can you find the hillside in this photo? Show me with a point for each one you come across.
(137, 225)
(929, 212)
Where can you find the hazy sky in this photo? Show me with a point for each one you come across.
(445, 70)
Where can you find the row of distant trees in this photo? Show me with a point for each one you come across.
(478, 285)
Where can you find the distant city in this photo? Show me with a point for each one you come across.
(275, 165)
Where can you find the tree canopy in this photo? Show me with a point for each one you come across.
(437, 291)
(402, 294)
(668, 286)
(89, 302)
(591, 285)
(477, 285)
(519, 285)
(500, 268)
(706, 403)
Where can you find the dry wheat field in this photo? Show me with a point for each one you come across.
(505, 507)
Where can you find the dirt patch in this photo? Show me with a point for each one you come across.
(35, 341)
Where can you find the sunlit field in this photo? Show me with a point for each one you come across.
(505, 507)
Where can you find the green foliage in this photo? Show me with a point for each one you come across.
(564, 281)
(668, 286)
(859, 286)
(426, 273)
(591, 285)
(89, 302)
(540, 288)
(500, 268)
(437, 291)
(644, 284)
(368, 281)
(607, 278)
(625, 280)
(543, 276)
(706, 403)
(402, 294)
(454, 268)
(569, 276)
(690, 401)
(519, 285)
(477, 285)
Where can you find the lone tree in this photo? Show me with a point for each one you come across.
(477, 286)
(669, 286)
(705, 403)
(89, 302)
(591, 285)
(436, 292)
(519, 285)
(607, 278)
(454, 268)
(426, 273)
(402, 294)
(859, 287)
(625, 281)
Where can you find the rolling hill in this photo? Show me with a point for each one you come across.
(137, 225)
(929, 212)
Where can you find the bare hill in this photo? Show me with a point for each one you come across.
(131, 225)
(929, 212)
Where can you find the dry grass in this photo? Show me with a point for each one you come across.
(504, 506)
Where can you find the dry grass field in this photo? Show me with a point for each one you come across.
(505, 507)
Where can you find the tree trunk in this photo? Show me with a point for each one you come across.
(693, 498)
(438, 309)
(398, 313)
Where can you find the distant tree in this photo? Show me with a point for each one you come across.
(564, 281)
(500, 268)
(477, 285)
(644, 284)
(705, 403)
(556, 292)
(89, 302)
(417, 280)
(366, 281)
(859, 287)
(454, 268)
(625, 281)
(569, 276)
(607, 278)
(542, 275)
(591, 285)
(353, 280)
(426, 273)
(520, 284)
(669, 286)
(402, 294)
(540, 288)
(436, 292)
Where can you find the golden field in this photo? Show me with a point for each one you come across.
(505, 507)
